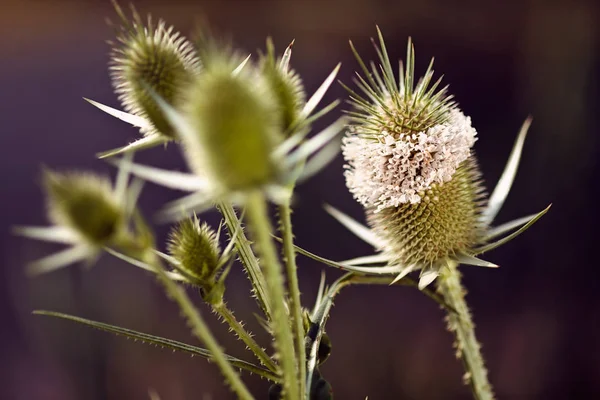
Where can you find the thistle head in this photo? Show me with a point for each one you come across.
(195, 246)
(233, 127)
(150, 57)
(285, 85)
(86, 204)
(409, 162)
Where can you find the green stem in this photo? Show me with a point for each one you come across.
(200, 330)
(461, 323)
(245, 336)
(284, 344)
(285, 218)
(247, 257)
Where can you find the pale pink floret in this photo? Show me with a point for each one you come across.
(393, 170)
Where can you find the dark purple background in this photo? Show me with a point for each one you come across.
(537, 316)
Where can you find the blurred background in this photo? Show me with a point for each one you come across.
(538, 316)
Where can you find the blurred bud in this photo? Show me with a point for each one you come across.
(85, 203)
(285, 85)
(234, 127)
(150, 57)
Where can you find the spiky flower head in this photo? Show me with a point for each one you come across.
(151, 57)
(410, 163)
(233, 127)
(195, 247)
(86, 204)
(285, 85)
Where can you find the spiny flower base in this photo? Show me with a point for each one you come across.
(446, 221)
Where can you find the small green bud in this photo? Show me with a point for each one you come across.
(196, 247)
(235, 128)
(85, 203)
(152, 57)
(285, 85)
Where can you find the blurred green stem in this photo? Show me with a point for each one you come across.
(285, 220)
(260, 226)
(461, 324)
(247, 257)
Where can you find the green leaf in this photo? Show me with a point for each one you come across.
(160, 341)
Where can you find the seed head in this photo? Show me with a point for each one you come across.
(151, 56)
(85, 203)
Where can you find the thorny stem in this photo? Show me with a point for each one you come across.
(245, 336)
(200, 330)
(461, 324)
(260, 226)
(285, 218)
(247, 257)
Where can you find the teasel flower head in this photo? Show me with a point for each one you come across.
(148, 56)
(88, 213)
(410, 164)
(195, 255)
(234, 136)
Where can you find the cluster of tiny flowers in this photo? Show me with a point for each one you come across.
(397, 168)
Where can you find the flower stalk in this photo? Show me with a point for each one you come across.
(247, 257)
(224, 312)
(261, 229)
(461, 324)
(289, 254)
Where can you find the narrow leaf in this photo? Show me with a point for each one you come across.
(355, 227)
(61, 259)
(123, 116)
(513, 235)
(173, 275)
(314, 100)
(467, 259)
(503, 186)
(140, 144)
(507, 227)
(160, 341)
(56, 234)
(171, 179)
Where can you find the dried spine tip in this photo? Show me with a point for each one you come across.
(234, 128)
(85, 203)
(445, 222)
(150, 58)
